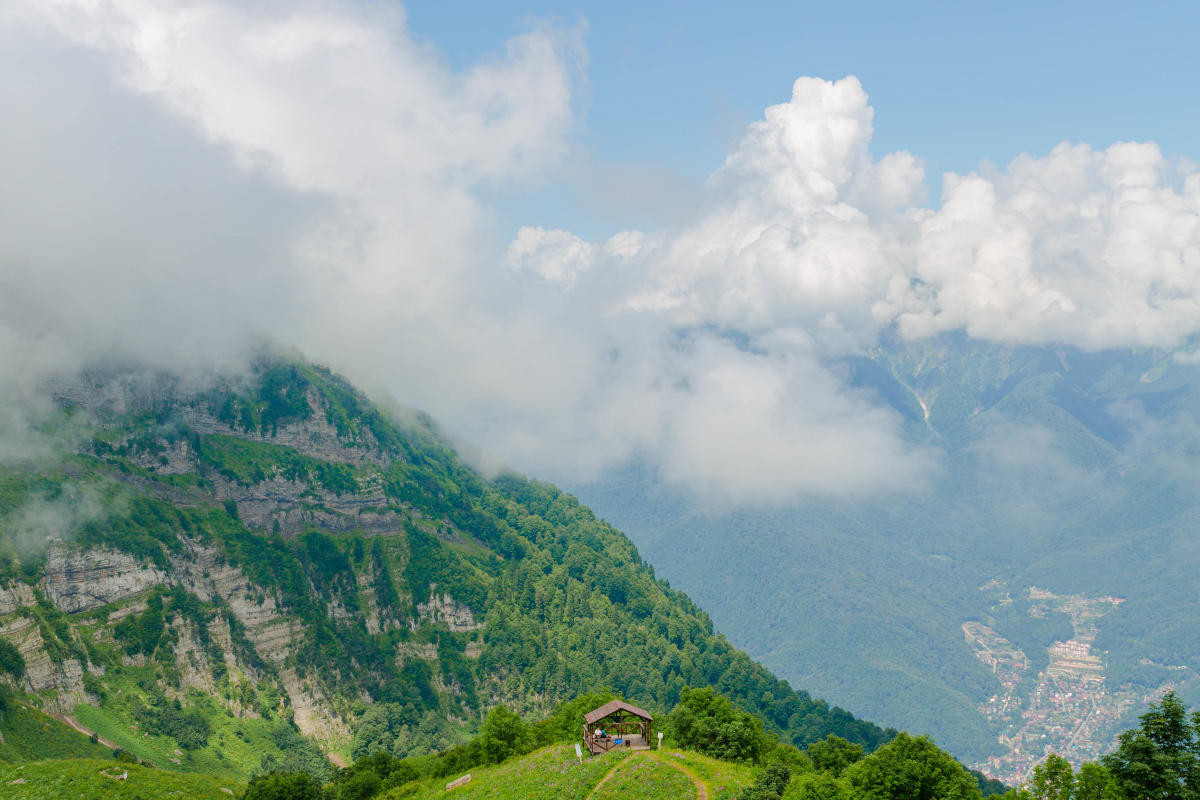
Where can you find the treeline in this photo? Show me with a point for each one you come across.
(1159, 760)
(703, 721)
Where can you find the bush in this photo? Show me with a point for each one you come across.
(11, 661)
(189, 728)
(504, 734)
(769, 785)
(709, 723)
(284, 786)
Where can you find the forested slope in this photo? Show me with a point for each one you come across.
(225, 580)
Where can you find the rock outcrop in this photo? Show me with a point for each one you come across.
(81, 580)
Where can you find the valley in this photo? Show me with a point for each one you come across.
(1069, 706)
(1057, 468)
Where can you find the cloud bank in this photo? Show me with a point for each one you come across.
(185, 175)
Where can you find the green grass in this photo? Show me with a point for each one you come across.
(723, 779)
(551, 773)
(647, 777)
(235, 747)
(29, 734)
(98, 780)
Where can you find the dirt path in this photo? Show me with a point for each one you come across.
(66, 720)
(701, 787)
(607, 775)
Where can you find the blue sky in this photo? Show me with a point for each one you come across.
(486, 216)
(671, 85)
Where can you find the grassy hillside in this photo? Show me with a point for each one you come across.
(81, 779)
(553, 773)
(27, 734)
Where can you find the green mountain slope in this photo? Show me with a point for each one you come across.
(108, 780)
(271, 568)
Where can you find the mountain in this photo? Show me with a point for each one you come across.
(1063, 478)
(242, 572)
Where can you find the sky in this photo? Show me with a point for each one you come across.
(583, 236)
(670, 86)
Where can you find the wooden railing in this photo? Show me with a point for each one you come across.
(602, 744)
(596, 743)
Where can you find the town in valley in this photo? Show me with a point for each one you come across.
(1069, 707)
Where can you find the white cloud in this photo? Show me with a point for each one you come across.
(561, 257)
(760, 428)
(801, 226)
(803, 236)
(191, 173)
(1093, 248)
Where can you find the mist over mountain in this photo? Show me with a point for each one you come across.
(266, 570)
(828, 407)
(191, 177)
(1070, 471)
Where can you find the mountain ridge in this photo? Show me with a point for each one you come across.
(275, 554)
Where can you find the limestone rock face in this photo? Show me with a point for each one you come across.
(201, 571)
(14, 596)
(315, 436)
(61, 683)
(293, 507)
(82, 580)
(313, 713)
(444, 608)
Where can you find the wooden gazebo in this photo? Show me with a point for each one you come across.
(616, 724)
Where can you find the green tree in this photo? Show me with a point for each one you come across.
(379, 727)
(911, 768)
(1012, 794)
(769, 785)
(504, 734)
(833, 754)
(1053, 779)
(360, 786)
(816, 786)
(284, 786)
(1161, 759)
(367, 776)
(1093, 783)
(708, 722)
(563, 724)
(11, 661)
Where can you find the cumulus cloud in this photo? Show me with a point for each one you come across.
(805, 236)
(561, 257)
(193, 173)
(1093, 248)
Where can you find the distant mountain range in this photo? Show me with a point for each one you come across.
(1071, 471)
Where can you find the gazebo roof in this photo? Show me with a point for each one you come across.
(615, 705)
